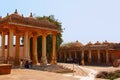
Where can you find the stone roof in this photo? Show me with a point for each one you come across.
(89, 44)
(97, 43)
(79, 46)
(20, 19)
(106, 42)
(76, 44)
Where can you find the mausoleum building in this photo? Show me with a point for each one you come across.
(16, 25)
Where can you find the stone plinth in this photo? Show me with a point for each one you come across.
(5, 68)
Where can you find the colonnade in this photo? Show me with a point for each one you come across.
(63, 54)
(15, 58)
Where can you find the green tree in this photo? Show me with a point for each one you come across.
(49, 37)
(59, 39)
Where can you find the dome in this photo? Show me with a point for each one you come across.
(76, 44)
(28, 21)
(106, 42)
(89, 44)
(97, 43)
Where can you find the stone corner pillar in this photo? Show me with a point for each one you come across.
(34, 57)
(26, 48)
(90, 57)
(54, 60)
(82, 61)
(44, 58)
(10, 57)
(17, 51)
(3, 47)
(98, 56)
(107, 57)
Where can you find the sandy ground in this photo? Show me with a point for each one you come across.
(88, 72)
(82, 73)
(27, 74)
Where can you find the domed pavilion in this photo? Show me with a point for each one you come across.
(91, 53)
(16, 25)
(70, 50)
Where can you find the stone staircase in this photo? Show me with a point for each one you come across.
(65, 66)
(76, 68)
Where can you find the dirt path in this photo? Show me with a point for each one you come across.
(81, 72)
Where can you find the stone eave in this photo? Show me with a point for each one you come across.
(58, 31)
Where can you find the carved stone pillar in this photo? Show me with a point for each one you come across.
(29, 47)
(43, 58)
(17, 50)
(82, 61)
(82, 54)
(3, 48)
(107, 57)
(90, 58)
(54, 61)
(10, 47)
(7, 60)
(98, 51)
(35, 59)
(75, 55)
(26, 54)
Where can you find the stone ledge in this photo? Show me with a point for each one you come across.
(5, 69)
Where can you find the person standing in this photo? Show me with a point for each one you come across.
(21, 63)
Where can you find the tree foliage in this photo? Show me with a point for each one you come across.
(49, 37)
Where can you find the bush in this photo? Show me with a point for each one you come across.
(109, 75)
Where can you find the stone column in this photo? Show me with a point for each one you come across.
(26, 54)
(35, 57)
(107, 57)
(82, 54)
(10, 47)
(54, 61)
(3, 48)
(69, 55)
(75, 55)
(82, 61)
(98, 56)
(17, 50)
(29, 47)
(90, 58)
(7, 61)
(64, 56)
(43, 58)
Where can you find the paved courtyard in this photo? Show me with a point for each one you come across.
(82, 73)
(27, 74)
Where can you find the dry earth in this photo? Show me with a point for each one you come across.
(55, 72)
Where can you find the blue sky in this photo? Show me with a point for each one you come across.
(83, 20)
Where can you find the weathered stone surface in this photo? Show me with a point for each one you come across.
(5, 69)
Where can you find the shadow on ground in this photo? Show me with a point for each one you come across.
(52, 68)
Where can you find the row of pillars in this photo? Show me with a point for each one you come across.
(10, 56)
(82, 56)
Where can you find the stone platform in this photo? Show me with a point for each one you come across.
(5, 69)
